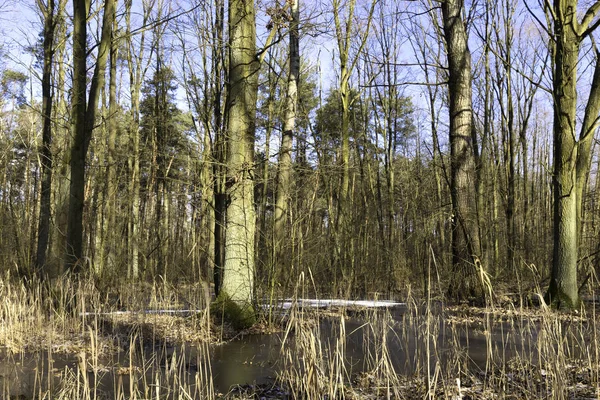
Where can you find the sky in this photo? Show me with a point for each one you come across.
(17, 29)
(19, 26)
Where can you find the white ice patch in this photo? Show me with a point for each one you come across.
(283, 305)
(142, 312)
(325, 303)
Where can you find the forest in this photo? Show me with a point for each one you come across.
(272, 149)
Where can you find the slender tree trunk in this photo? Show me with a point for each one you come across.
(108, 228)
(46, 188)
(219, 148)
(78, 148)
(510, 157)
(589, 127)
(61, 158)
(285, 151)
(136, 72)
(266, 233)
(343, 36)
(344, 33)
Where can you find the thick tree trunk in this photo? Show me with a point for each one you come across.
(571, 156)
(563, 285)
(238, 279)
(465, 282)
(84, 116)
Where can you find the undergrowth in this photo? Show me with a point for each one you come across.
(67, 340)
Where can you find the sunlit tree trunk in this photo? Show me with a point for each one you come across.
(110, 240)
(104, 251)
(466, 249)
(238, 278)
(285, 151)
(571, 156)
(345, 30)
(61, 138)
(135, 59)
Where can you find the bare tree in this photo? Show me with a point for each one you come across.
(572, 155)
(48, 14)
(289, 123)
(84, 117)
(238, 279)
(346, 28)
(466, 250)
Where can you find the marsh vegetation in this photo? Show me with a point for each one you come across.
(161, 342)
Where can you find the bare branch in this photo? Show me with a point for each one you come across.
(540, 23)
(589, 16)
(406, 83)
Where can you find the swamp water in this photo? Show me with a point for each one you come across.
(414, 344)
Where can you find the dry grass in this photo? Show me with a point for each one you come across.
(521, 353)
(102, 352)
(425, 351)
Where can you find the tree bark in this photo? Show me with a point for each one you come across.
(563, 285)
(238, 279)
(84, 115)
(571, 156)
(219, 149)
(78, 147)
(109, 227)
(46, 187)
(136, 72)
(465, 282)
(285, 151)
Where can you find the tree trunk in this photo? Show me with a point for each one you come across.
(238, 279)
(344, 33)
(46, 189)
(219, 149)
(571, 157)
(589, 127)
(563, 285)
(109, 238)
(84, 115)
(465, 282)
(134, 63)
(285, 152)
(60, 195)
(78, 151)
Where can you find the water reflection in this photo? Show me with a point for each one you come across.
(414, 345)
